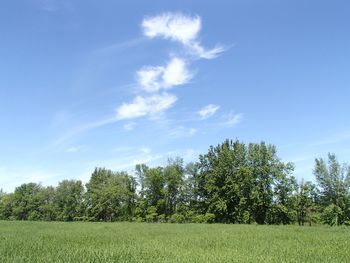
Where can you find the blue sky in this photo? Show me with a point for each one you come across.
(114, 83)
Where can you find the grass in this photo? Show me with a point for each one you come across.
(138, 242)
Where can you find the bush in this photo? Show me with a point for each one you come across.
(206, 218)
(161, 218)
(177, 218)
(138, 219)
(279, 214)
(151, 214)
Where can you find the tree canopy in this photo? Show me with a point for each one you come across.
(233, 182)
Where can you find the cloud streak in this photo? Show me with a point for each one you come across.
(208, 111)
(232, 119)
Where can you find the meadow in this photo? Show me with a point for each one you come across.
(147, 242)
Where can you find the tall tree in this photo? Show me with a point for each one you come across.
(237, 181)
(334, 182)
(7, 202)
(155, 192)
(110, 195)
(174, 178)
(69, 200)
(46, 199)
(26, 202)
(306, 202)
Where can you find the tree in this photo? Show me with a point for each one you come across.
(236, 182)
(333, 180)
(269, 172)
(69, 200)
(306, 203)
(46, 200)
(110, 195)
(26, 202)
(154, 190)
(174, 180)
(282, 209)
(7, 202)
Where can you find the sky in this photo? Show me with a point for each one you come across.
(87, 84)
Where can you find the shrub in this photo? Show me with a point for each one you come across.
(206, 218)
(177, 218)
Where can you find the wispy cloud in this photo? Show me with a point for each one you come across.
(232, 119)
(75, 149)
(208, 111)
(146, 106)
(128, 160)
(129, 126)
(154, 83)
(153, 79)
(201, 52)
(120, 46)
(181, 28)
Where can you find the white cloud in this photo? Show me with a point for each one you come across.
(208, 111)
(181, 28)
(149, 78)
(175, 73)
(177, 27)
(146, 106)
(129, 126)
(233, 119)
(172, 26)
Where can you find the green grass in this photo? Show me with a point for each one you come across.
(137, 242)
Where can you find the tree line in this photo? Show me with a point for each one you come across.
(233, 182)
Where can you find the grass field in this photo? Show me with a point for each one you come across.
(137, 242)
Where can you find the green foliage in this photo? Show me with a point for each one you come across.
(152, 214)
(306, 203)
(26, 202)
(206, 218)
(331, 215)
(177, 218)
(334, 182)
(69, 200)
(280, 214)
(6, 206)
(110, 196)
(237, 181)
(233, 182)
